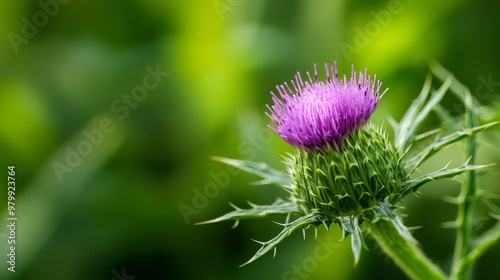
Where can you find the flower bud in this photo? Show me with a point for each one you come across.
(346, 180)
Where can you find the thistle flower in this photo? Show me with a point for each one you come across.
(343, 165)
(317, 114)
(345, 170)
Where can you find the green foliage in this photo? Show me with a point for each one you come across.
(363, 180)
(258, 211)
(269, 175)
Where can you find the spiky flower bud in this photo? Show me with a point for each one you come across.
(347, 180)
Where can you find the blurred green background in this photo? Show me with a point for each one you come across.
(119, 206)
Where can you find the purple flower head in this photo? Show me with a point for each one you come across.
(317, 114)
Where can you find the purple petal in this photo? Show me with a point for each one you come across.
(317, 114)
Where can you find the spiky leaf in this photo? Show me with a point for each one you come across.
(263, 170)
(258, 211)
(417, 113)
(299, 223)
(442, 142)
(414, 184)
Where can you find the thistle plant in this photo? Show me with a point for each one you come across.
(346, 171)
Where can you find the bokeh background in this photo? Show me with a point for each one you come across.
(117, 211)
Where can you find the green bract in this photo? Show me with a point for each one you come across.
(347, 180)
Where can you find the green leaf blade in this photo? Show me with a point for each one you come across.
(299, 223)
(263, 170)
(279, 207)
(414, 184)
(442, 142)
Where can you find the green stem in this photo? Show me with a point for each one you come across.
(404, 252)
(467, 198)
(490, 238)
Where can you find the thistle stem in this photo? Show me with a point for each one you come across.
(404, 252)
(467, 198)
